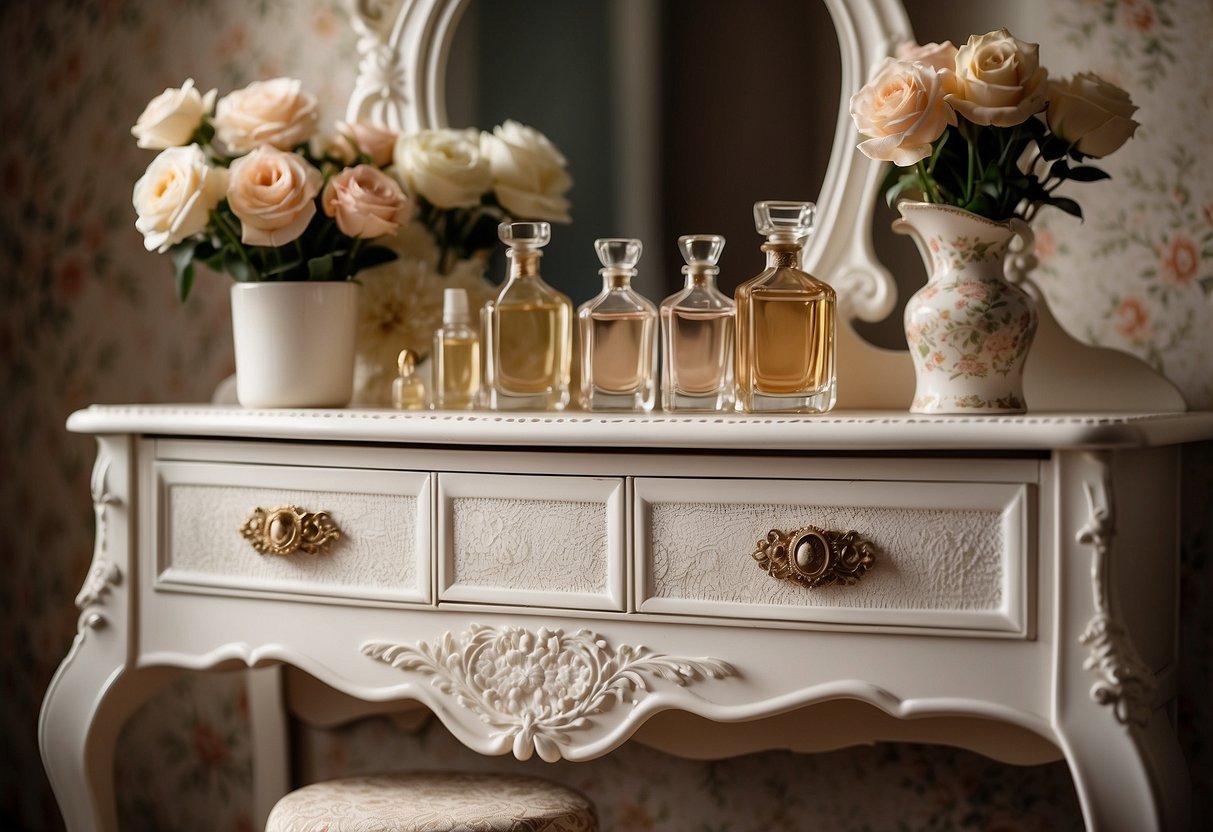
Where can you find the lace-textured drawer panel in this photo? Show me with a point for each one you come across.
(949, 555)
(520, 540)
(343, 533)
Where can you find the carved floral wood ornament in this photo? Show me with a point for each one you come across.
(533, 688)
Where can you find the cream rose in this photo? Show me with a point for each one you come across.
(276, 112)
(1091, 114)
(274, 195)
(999, 80)
(902, 109)
(170, 119)
(445, 167)
(938, 55)
(362, 137)
(529, 175)
(365, 201)
(175, 196)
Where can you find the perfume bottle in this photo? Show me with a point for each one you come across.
(785, 321)
(408, 391)
(618, 335)
(697, 333)
(528, 329)
(456, 355)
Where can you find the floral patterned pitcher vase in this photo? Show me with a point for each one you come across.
(969, 328)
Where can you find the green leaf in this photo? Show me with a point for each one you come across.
(1086, 173)
(182, 256)
(320, 268)
(1060, 169)
(234, 265)
(1066, 204)
(1052, 147)
(372, 256)
(185, 281)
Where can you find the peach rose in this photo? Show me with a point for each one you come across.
(529, 173)
(276, 112)
(445, 167)
(170, 119)
(1091, 114)
(274, 195)
(938, 55)
(370, 140)
(902, 109)
(1000, 80)
(365, 201)
(175, 196)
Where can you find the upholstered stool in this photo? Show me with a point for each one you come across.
(434, 802)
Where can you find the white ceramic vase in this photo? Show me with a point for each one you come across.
(969, 328)
(295, 343)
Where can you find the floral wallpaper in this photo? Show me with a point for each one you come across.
(88, 316)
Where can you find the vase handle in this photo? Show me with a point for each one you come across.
(906, 228)
(1021, 255)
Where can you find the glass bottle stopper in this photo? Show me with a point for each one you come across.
(701, 251)
(784, 222)
(406, 362)
(454, 307)
(618, 255)
(525, 236)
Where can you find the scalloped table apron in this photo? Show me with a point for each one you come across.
(968, 329)
(295, 343)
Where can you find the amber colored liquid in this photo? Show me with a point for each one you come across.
(531, 340)
(700, 343)
(458, 365)
(621, 351)
(790, 343)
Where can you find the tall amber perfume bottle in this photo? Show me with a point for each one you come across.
(618, 335)
(785, 322)
(528, 337)
(697, 333)
(456, 355)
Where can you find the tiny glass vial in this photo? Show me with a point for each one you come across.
(528, 329)
(697, 333)
(785, 322)
(456, 355)
(408, 391)
(618, 335)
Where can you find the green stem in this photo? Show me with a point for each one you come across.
(232, 236)
(928, 183)
(353, 258)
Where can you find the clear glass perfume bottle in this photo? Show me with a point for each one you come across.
(618, 335)
(528, 329)
(697, 333)
(408, 391)
(456, 355)
(785, 321)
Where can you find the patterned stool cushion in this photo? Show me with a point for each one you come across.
(434, 802)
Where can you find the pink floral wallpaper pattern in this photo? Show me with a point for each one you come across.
(88, 316)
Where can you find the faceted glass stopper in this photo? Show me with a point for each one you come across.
(701, 249)
(406, 362)
(784, 222)
(619, 253)
(525, 235)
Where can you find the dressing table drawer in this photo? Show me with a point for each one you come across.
(341, 533)
(522, 540)
(950, 555)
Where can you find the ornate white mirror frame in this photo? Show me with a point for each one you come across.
(404, 45)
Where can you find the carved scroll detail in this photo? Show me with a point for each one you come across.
(1123, 680)
(103, 573)
(534, 688)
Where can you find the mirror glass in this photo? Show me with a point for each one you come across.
(675, 116)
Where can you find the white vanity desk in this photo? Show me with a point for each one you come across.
(555, 584)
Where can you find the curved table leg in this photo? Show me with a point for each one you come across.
(88, 700)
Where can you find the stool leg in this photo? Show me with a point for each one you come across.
(270, 739)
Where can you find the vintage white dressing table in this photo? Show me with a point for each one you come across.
(556, 584)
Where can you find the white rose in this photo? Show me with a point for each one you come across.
(276, 112)
(1091, 114)
(529, 173)
(362, 137)
(1000, 80)
(274, 195)
(902, 110)
(938, 55)
(444, 166)
(175, 196)
(365, 201)
(170, 119)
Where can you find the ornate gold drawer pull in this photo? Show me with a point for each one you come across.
(813, 557)
(289, 529)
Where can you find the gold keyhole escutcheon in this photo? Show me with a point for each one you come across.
(289, 529)
(813, 557)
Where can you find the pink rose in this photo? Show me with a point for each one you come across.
(938, 55)
(274, 195)
(365, 201)
(362, 137)
(1091, 114)
(902, 110)
(276, 112)
(1000, 80)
